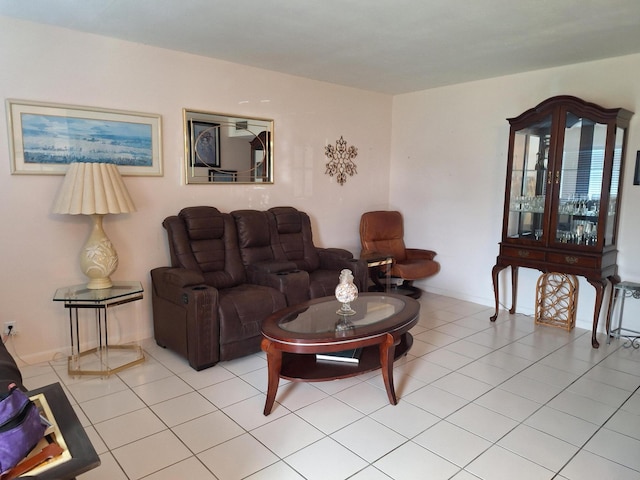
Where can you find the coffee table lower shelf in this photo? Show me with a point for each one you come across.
(304, 367)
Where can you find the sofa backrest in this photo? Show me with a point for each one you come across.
(205, 240)
(294, 238)
(255, 232)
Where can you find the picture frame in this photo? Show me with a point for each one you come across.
(44, 138)
(636, 173)
(204, 144)
(233, 143)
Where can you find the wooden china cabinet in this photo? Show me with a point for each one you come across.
(564, 180)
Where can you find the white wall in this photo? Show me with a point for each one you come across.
(40, 250)
(449, 149)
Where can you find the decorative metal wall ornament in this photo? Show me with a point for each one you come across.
(341, 160)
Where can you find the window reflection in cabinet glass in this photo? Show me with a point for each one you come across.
(610, 219)
(580, 180)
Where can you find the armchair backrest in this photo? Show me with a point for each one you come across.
(204, 240)
(383, 232)
(295, 239)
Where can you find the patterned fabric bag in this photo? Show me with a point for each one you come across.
(20, 427)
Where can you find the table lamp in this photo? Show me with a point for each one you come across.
(95, 189)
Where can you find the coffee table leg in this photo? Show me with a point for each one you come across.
(274, 364)
(387, 351)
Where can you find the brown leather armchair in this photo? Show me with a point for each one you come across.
(204, 308)
(382, 234)
(294, 242)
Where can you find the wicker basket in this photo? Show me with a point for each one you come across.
(556, 300)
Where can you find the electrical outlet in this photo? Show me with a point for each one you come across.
(9, 328)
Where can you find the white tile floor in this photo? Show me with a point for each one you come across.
(477, 400)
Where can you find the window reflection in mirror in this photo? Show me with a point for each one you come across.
(221, 148)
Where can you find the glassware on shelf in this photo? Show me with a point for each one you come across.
(584, 205)
(527, 203)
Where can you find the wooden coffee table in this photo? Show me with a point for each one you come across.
(293, 336)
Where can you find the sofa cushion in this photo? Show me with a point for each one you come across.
(254, 236)
(205, 240)
(203, 223)
(295, 238)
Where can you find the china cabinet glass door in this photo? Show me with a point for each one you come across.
(531, 146)
(614, 196)
(580, 179)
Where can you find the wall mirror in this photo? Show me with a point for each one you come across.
(221, 148)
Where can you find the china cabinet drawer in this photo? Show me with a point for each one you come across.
(523, 253)
(573, 260)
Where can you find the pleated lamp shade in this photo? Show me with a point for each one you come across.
(95, 189)
(91, 188)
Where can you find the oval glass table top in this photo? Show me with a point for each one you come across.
(317, 319)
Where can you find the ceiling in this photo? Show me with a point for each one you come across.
(388, 46)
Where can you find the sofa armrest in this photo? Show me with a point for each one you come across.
(334, 258)
(417, 253)
(294, 284)
(339, 259)
(169, 283)
(334, 253)
(271, 266)
(185, 315)
(181, 277)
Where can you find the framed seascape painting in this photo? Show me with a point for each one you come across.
(44, 138)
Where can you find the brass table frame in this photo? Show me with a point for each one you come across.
(78, 297)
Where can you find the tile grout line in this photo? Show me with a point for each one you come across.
(597, 431)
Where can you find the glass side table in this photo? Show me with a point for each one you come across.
(621, 291)
(104, 359)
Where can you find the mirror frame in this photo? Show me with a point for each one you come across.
(220, 129)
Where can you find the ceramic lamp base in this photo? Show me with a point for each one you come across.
(98, 258)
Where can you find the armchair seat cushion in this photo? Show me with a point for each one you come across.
(415, 269)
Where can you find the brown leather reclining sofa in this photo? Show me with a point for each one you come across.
(229, 272)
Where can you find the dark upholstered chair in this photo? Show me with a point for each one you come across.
(382, 234)
(203, 306)
(294, 243)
